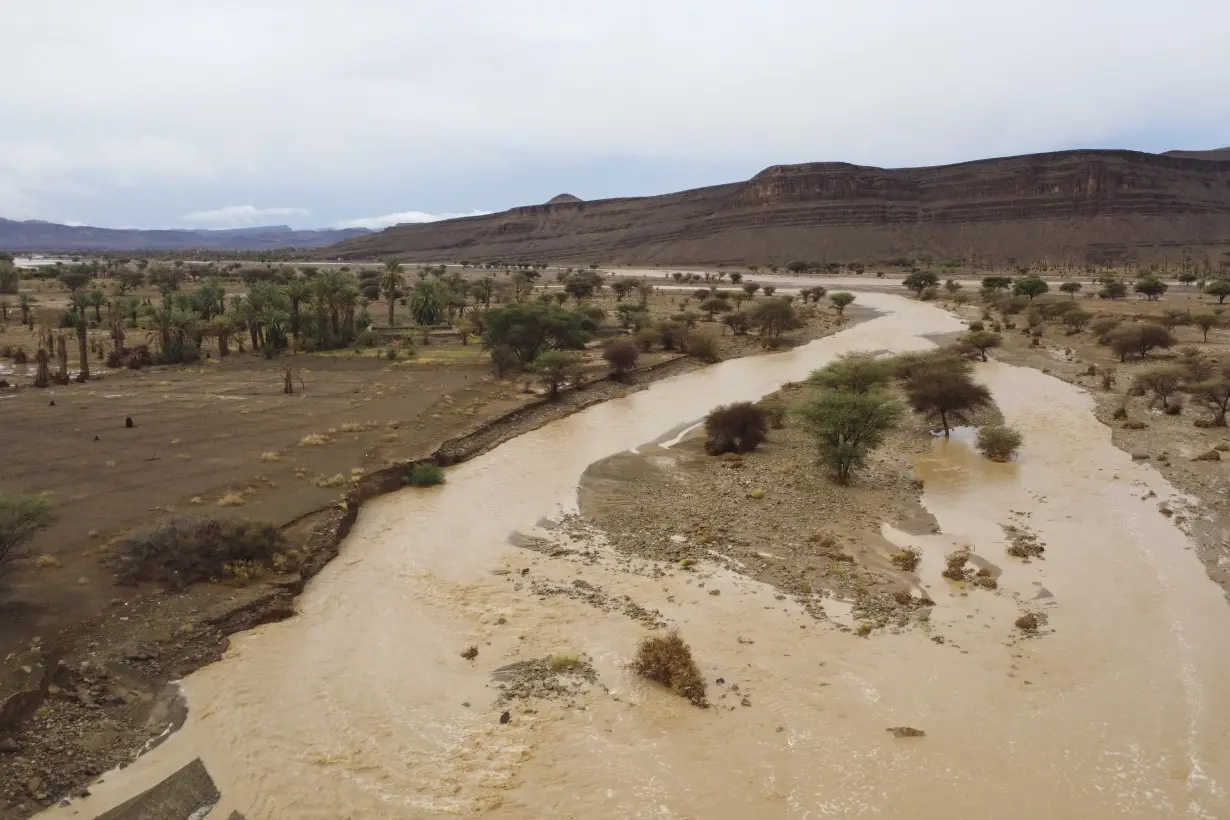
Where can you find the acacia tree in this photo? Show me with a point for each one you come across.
(945, 391)
(772, 317)
(556, 368)
(920, 280)
(1151, 287)
(1214, 394)
(853, 373)
(1071, 288)
(1162, 381)
(1220, 289)
(1206, 322)
(847, 426)
(982, 341)
(841, 301)
(1030, 286)
(1139, 338)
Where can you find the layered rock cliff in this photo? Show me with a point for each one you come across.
(1068, 205)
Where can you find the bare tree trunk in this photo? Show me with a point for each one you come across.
(83, 350)
(62, 358)
(42, 378)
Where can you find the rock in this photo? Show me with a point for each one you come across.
(1211, 455)
(34, 785)
(138, 652)
(23, 690)
(9, 746)
(505, 717)
(906, 731)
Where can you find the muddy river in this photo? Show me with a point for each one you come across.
(1119, 707)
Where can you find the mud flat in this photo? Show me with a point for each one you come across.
(364, 704)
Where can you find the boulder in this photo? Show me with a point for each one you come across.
(22, 690)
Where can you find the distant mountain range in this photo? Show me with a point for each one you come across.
(1085, 205)
(50, 237)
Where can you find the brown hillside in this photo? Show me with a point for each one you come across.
(1068, 205)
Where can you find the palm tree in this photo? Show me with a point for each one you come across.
(391, 281)
(97, 297)
(297, 290)
(223, 327)
(426, 303)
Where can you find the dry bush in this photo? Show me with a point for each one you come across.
(621, 355)
(270, 456)
(1027, 623)
(327, 482)
(565, 663)
(734, 428)
(314, 440)
(955, 564)
(704, 348)
(231, 500)
(667, 660)
(183, 550)
(906, 560)
(998, 442)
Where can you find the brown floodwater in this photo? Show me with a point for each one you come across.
(1120, 707)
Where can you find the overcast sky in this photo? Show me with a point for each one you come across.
(225, 113)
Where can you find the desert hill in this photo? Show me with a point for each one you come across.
(1095, 205)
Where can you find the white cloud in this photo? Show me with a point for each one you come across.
(376, 223)
(314, 106)
(242, 216)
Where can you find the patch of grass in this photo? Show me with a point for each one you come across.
(359, 426)
(667, 660)
(315, 440)
(565, 663)
(244, 571)
(425, 474)
(231, 500)
(906, 560)
(336, 480)
(183, 550)
(271, 456)
(47, 562)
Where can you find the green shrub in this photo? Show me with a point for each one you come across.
(185, 549)
(998, 443)
(425, 474)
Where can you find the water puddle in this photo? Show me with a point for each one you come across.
(362, 705)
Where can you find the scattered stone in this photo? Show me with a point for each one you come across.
(505, 717)
(906, 731)
(9, 746)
